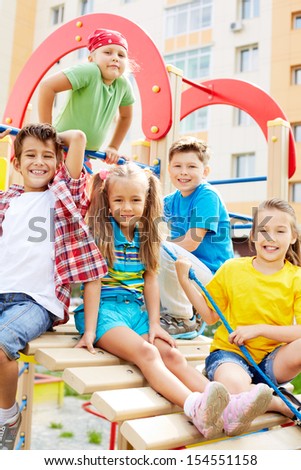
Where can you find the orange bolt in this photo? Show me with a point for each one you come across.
(79, 24)
(78, 38)
(154, 129)
(8, 120)
(156, 89)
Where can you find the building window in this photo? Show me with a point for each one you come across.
(296, 192)
(297, 131)
(249, 9)
(296, 75)
(248, 59)
(57, 14)
(242, 118)
(244, 165)
(195, 122)
(188, 17)
(86, 6)
(195, 64)
(296, 20)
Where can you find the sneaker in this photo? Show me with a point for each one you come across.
(207, 413)
(9, 431)
(179, 327)
(244, 407)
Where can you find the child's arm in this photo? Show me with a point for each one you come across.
(4, 133)
(91, 305)
(195, 297)
(282, 334)
(75, 140)
(152, 302)
(192, 239)
(122, 126)
(48, 89)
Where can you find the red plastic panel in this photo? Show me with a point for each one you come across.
(246, 96)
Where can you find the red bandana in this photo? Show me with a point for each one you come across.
(103, 37)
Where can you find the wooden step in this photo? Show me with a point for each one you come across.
(176, 430)
(119, 405)
(92, 379)
(51, 341)
(55, 359)
(286, 438)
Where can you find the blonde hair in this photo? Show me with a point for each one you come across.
(98, 216)
(293, 253)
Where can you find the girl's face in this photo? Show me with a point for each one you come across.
(187, 172)
(112, 61)
(273, 235)
(127, 198)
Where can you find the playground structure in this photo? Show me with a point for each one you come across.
(164, 104)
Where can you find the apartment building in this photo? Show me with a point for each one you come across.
(254, 40)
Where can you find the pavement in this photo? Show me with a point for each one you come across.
(73, 419)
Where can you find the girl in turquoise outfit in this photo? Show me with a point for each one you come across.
(124, 217)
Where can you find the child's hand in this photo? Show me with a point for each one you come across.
(112, 155)
(156, 331)
(243, 333)
(4, 133)
(182, 267)
(87, 341)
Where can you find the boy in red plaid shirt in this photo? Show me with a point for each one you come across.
(45, 246)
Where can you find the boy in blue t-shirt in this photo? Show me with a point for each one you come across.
(199, 227)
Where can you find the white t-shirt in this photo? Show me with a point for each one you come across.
(27, 249)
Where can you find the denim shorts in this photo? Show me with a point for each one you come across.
(121, 310)
(21, 320)
(218, 357)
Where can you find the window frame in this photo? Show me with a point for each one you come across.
(236, 158)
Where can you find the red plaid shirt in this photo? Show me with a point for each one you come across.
(77, 258)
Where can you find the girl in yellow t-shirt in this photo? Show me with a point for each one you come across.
(260, 297)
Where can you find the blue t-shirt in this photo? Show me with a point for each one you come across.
(201, 209)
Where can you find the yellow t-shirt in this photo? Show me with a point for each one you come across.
(247, 297)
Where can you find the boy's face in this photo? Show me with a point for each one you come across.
(187, 172)
(112, 60)
(37, 165)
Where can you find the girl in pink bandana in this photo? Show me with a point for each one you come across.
(97, 91)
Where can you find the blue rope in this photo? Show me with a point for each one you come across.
(246, 353)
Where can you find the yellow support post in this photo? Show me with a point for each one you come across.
(5, 153)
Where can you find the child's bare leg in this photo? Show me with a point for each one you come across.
(234, 377)
(204, 409)
(286, 365)
(177, 364)
(125, 343)
(8, 381)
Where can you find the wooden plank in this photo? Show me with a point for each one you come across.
(93, 379)
(194, 352)
(62, 358)
(287, 438)
(119, 405)
(50, 341)
(66, 329)
(176, 430)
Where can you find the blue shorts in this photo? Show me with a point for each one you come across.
(218, 357)
(120, 310)
(21, 320)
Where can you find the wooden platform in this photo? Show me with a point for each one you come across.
(147, 421)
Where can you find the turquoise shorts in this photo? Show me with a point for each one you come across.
(120, 310)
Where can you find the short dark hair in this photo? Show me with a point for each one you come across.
(41, 132)
(191, 144)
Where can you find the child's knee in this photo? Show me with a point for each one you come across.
(172, 358)
(148, 353)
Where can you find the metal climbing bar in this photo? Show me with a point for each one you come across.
(93, 154)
